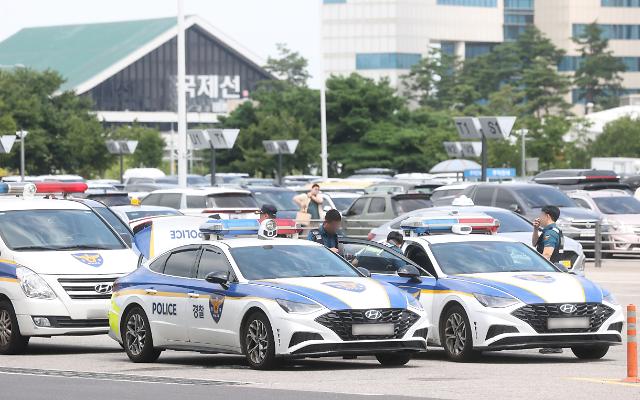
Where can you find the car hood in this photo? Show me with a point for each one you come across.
(625, 219)
(80, 262)
(538, 287)
(340, 293)
(525, 237)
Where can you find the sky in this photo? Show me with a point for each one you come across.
(257, 24)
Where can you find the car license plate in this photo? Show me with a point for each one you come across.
(568, 323)
(372, 329)
(588, 233)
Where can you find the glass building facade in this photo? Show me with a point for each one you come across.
(518, 14)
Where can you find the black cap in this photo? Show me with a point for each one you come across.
(552, 211)
(268, 209)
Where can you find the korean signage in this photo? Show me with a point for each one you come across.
(492, 173)
(210, 93)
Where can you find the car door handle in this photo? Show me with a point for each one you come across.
(194, 295)
(151, 291)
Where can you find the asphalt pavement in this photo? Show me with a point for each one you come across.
(83, 368)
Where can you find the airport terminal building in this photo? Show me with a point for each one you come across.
(129, 68)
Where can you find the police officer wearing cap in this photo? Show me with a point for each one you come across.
(327, 233)
(549, 243)
(268, 211)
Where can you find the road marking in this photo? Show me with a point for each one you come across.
(607, 381)
(117, 377)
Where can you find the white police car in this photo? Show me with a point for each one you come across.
(58, 261)
(488, 292)
(266, 299)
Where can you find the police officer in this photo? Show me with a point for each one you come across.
(327, 233)
(395, 241)
(549, 243)
(267, 211)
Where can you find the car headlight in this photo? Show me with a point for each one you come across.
(295, 307)
(610, 298)
(413, 302)
(33, 285)
(495, 301)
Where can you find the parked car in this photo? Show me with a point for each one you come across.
(342, 200)
(512, 225)
(527, 199)
(444, 195)
(621, 215)
(280, 197)
(371, 210)
(397, 186)
(192, 180)
(581, 179)
(224, 202)
(226, 177)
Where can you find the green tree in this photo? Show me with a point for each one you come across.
(597, 76)
(63, 136)
(620, 138)
(150, 145)
(290, 66)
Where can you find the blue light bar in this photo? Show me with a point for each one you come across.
(230, 228)
(4, 188)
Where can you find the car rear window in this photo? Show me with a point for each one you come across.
(231, 200)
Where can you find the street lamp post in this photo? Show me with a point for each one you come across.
(523, 152)
(21, 134)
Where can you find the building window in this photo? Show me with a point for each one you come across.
(469, 3)
(475, 49)
(577, 94)
(518, 4)
(334, 1)
(609, 31)
(572, 63)
(386, 60)
(448, 48)
(620, 3)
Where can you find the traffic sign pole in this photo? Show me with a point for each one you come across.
(213, 165)
(484, 159)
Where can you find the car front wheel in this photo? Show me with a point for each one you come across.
(11, 341)
(595, 352)
(258, 345)
(137, 338)
(456, 335)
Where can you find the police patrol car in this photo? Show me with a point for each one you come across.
(266, 299)
(58, 261)
(488, 292)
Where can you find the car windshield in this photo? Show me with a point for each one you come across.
(480, 257)
(510, 222)
(38, 230)
(405, 205)
(131, 215)
(290, 261)
(282, 199)
(618, 205)
(231, 200)
(538, 196)
(112, 200)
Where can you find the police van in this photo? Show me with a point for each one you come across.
(58, 262)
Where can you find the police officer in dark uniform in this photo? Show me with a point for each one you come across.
(327, 233)
(550, 242)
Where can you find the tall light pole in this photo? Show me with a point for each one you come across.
(324, 155)
(21, 135)
(523, 152)
(182, 100)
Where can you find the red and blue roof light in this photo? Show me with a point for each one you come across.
(20, 188)
(450, 223)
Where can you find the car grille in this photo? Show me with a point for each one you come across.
(341, 321)
(66, 322)
(88, 288)
(537, 315)
(587, 226)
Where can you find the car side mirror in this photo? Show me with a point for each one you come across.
(364, 271)
(326, 208)
(219, 277)
(409, 271)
